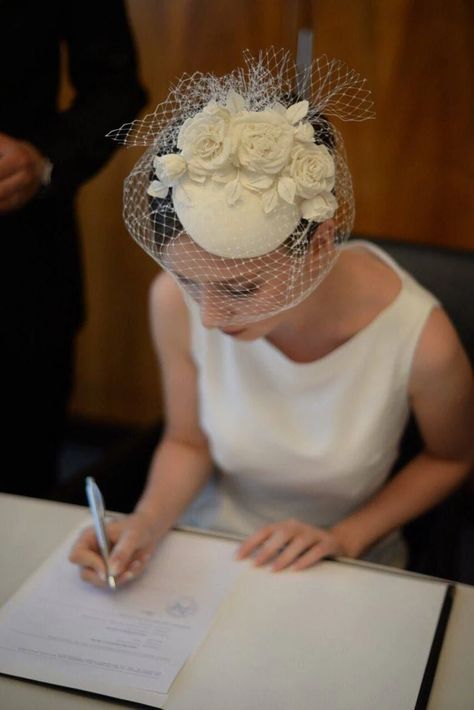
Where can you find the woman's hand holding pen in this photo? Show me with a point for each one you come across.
(291, 543)
(133, 539)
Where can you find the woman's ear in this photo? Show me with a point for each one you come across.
(324, 233)
(322, 236)
(322, 241)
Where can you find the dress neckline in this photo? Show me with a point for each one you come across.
(341, 350)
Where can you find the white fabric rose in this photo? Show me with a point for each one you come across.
(313, 170)
(270, 152)
(262, 141)
(170, 168)
(319, 208)
(204, 140)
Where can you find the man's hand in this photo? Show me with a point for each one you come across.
(291, 542)
(21, 169)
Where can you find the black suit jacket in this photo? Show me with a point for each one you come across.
(39, 241)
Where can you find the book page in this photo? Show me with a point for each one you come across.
(337, 637)
(127, 644)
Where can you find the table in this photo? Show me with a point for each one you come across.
(31, 529)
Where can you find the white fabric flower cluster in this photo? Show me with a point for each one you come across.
(271, 152)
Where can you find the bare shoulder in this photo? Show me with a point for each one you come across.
(376, 282)
(169, 320)
(371, 285)
(441, 389)
(166, 298)
(439, 353)
(170, 329)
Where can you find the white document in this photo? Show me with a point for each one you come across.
(334, 637)
(128, 644)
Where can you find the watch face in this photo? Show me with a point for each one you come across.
(46, 173)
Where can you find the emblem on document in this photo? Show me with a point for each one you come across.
(182, 607)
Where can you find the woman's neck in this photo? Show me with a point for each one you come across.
(356, 290)
(310, 329)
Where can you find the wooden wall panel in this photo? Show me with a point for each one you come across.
(412, 167)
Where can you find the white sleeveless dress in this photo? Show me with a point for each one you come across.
(312, 441)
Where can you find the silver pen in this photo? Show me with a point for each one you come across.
(96, 505)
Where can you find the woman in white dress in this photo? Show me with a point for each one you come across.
(290, 359)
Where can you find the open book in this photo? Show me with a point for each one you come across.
(200, 631)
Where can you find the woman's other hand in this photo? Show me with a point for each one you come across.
(291, 543)
(133, 539)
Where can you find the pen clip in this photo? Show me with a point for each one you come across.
(94, 496)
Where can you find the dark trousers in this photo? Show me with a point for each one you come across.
(41, 313)
(38, 385)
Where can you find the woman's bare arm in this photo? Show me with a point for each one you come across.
(442, 395)
(181, 463)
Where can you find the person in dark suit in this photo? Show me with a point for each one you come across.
(45, 156)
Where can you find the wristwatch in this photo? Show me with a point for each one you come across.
(46, 173)
(45, 178)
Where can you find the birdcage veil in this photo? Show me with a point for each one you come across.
(243, 192)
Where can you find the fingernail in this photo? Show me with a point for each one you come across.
(102, 576)
(128, 575)
(114, 569)
(136, 564)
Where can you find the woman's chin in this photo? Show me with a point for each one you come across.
(234, 332)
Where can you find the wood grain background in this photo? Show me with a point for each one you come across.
(413, 167)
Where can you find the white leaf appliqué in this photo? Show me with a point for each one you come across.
(297, 112)
(269, 200)
(235, 102)
(233, 191)
(287, 189)
(157, 189)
